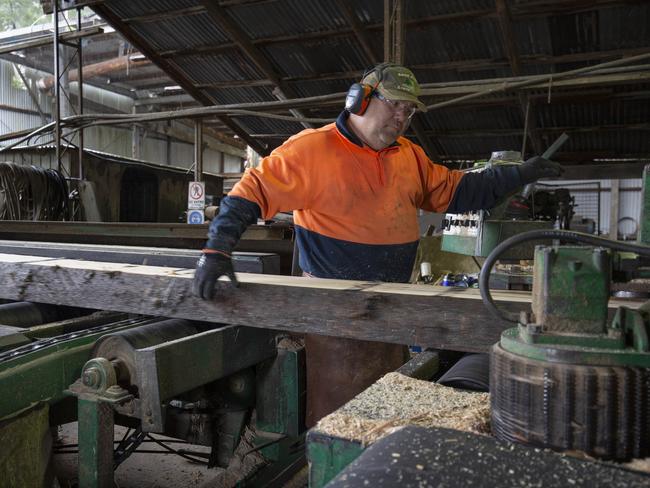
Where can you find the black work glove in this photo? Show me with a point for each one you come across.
(208, 270)
(537, 167)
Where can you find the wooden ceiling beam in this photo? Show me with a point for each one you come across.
(359, 30)
(490, 132)
(169, 14)
(394, 51)
(510, 47)
(172, 70)
(460, 66)
(224, 21)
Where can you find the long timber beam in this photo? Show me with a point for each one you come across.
(400, 313)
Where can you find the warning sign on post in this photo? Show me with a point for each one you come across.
(195, 217)
(196, 195)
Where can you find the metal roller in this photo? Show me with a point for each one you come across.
(119, 348)
(27, 314)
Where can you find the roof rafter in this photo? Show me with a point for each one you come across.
(359, 30)
(177, 75)
(510, 47)
(221, 17)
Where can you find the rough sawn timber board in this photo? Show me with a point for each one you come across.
(430, 316)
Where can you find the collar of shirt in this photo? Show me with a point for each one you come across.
(342, 126)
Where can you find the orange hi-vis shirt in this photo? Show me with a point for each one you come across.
(341, 190)
(355, 208)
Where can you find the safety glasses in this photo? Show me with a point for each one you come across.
(406, 108)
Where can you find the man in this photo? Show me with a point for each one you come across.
(354, 186)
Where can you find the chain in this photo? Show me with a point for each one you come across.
(52, 341)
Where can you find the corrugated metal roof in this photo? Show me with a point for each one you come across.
(313, 50)
(279, 18)
(184, 31)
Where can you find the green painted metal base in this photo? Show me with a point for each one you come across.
(328, 456)
(96, 432)
(572, 353)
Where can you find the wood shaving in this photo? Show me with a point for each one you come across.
(291, 343)
(642, 465)
(396, 401)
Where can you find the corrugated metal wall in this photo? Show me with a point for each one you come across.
(114, 140)
(629, 208)
(10, 96)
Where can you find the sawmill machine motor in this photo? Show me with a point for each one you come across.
(193, 381)
(567, 376)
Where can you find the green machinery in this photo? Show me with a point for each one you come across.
(568, 376)
(193, 381)
(478, 233)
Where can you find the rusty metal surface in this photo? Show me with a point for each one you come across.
(330, 361)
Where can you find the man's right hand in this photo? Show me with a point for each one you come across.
(538, 167)
(209, 268)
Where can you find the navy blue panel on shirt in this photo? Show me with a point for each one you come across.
(326, 257)
(235, 214)
(483, 189)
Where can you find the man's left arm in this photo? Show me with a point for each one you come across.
(453, 191)
(483, 189)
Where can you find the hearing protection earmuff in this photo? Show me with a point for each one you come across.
(358, 96)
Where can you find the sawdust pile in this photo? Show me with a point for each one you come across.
(397, 400)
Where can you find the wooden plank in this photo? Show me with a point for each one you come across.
(429, 316)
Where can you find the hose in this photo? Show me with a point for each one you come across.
(538, 235)
(32, 193)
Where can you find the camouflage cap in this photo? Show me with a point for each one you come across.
(397, 83)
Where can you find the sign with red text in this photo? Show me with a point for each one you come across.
(196, 195)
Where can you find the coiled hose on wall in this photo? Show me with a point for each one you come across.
(32, 193)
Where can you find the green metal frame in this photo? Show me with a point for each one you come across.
(281, 394)
(328, 456)
(571, 289)
(209, 356)
(511, 341)
(491, 234)
(569, 320)
(96, 433)
(44, 374)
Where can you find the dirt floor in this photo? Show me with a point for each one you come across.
(147, 470)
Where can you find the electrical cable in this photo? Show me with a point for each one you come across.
(174, 451)
(538, 235)
(32, 193)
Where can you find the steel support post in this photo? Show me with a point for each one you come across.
(57, 87)
(80, 91)
(198, 150)
(96, 432)
(394, 31)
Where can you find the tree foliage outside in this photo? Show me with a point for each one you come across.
(20, 13)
